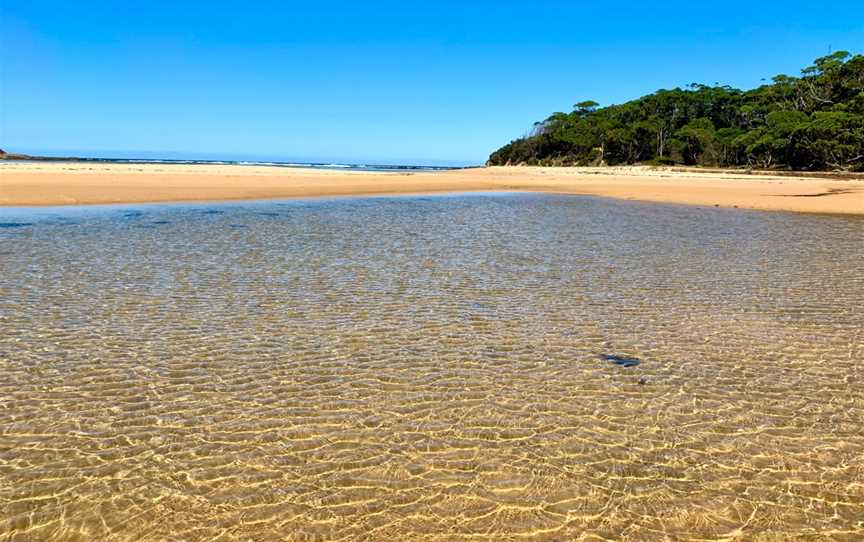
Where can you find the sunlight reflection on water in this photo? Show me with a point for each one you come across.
(429, 368)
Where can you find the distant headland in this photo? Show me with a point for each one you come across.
(19, 156)
(12, 156)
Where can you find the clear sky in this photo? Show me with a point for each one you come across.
(399, 81)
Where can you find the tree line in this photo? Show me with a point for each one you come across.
(811, 122)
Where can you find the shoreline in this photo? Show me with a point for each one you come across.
(36, 184)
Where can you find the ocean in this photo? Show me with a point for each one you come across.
(349, 166)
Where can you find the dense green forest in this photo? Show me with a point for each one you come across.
(811, 122)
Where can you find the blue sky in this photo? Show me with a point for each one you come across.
(406, 82)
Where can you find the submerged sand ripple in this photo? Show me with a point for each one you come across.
(427, 368)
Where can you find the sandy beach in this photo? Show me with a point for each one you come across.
(76, 183)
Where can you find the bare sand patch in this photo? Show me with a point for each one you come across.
(75, 183)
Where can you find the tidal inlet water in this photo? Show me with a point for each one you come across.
(475, 367)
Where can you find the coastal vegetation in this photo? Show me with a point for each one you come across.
(811, 122)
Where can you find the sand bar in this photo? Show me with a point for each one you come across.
(76, 183)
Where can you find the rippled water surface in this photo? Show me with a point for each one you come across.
(442, 368)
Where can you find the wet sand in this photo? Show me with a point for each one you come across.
(73, 183)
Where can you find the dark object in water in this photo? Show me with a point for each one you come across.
(14, 224)
(161, 222)
(623, 361)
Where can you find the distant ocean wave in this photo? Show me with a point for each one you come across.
(310, 165)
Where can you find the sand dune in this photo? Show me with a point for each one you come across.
(70, 183)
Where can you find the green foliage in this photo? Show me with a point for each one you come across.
(698, 137)
(811, 122)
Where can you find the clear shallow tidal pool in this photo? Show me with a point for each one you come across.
(430, 368)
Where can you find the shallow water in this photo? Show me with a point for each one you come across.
(430, 368)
